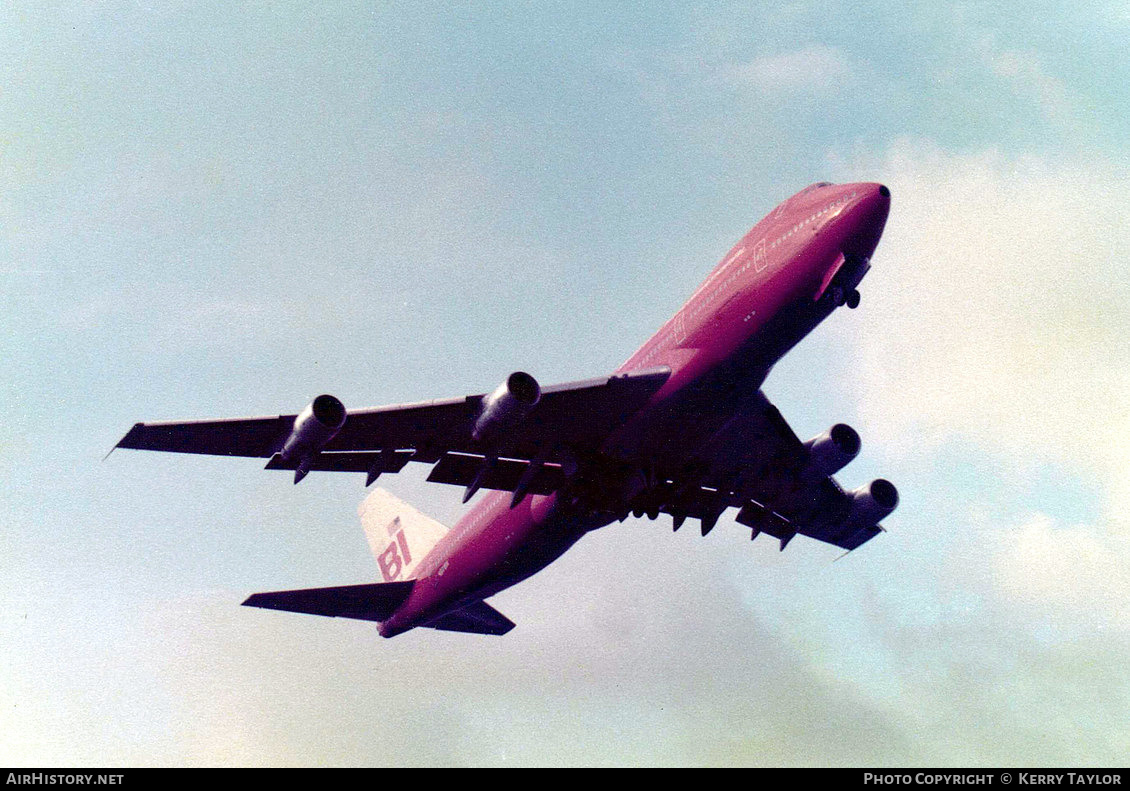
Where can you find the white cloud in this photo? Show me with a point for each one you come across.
(710, 636)
(1024, 71)
(996, 311)
(995, 320)
(1025, 75)
(818, 68)
(1074, 575)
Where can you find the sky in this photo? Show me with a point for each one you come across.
(211, 209)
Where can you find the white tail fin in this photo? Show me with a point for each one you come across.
(398, 534)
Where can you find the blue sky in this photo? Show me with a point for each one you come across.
(217, 211)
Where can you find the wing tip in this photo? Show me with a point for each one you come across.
(130, 439)
(256, 600)
(121, 443)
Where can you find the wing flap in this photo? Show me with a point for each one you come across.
(827, 526)
(352, 461)
(839, 534)
(502, 474)
(373, 602)
(477, 618)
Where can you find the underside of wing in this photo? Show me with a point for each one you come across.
(254, 436)
(575, 414)
(503, 474)
(782, 486)
(526, 441)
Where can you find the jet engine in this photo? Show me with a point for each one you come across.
(872, 503)
(313, 428)
(506, 406)
(831, 451)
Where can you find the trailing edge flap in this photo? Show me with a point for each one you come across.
(374, 602)
(399, 535)
(477, 618)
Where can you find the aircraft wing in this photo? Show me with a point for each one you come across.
(568, 418)
(825, 517)
(757, 464)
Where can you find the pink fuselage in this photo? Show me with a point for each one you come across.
(752, 308)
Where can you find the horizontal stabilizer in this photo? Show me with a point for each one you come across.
(374, 602)
(477, 618)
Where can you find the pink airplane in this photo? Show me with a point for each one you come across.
(681, 428)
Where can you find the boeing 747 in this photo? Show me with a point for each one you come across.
(681, 428)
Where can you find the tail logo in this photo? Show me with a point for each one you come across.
(396, 555)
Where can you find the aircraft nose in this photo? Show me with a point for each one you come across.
(880, 202)
(873, 196)
(866, 218)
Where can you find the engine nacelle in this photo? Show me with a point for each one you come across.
(872, 503)
(506, 406)
(313, 428)
(831, 451)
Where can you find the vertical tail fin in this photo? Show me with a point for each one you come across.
(399, 535)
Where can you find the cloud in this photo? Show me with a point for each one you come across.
(996, 311)
(717, 652)
(993, 333)
(644, 647)
(815, 69)
(1024, 71)
(1076, 575)
(1025, 75)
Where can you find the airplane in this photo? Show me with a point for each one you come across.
(682, 428)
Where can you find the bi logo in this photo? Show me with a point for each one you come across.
(395, 557)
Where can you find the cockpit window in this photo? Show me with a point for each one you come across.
(815, 186)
